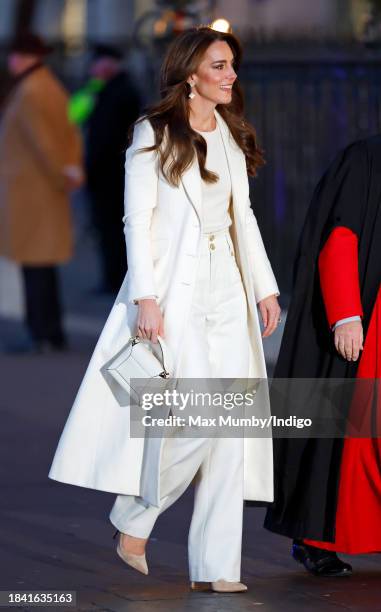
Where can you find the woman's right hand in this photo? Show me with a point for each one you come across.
(150, 322)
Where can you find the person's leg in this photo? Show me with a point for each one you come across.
(216, 341)
(181, 457)
(180, 460)
(42, 302)
(107, 211)
(211, 327)
(227, 324)
(215, 536)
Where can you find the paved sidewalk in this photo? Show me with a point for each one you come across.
(54, 536)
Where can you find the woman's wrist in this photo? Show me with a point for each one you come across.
(146, 297)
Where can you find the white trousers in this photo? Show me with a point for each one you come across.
(216, 345)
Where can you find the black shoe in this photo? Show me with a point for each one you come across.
(320, 562)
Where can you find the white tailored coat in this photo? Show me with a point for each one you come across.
(163, 227)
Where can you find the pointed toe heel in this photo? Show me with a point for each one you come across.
(137, 562)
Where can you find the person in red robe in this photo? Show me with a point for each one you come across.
(328, 491)
(358, 516)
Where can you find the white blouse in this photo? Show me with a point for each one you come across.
(216, 196)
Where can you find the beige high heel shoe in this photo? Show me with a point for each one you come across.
(138, 562)
(219, 586)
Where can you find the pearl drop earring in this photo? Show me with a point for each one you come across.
(191, 95)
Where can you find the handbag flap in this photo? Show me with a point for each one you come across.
(137, 363)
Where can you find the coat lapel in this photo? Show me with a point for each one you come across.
(191, 179)
(237, 166)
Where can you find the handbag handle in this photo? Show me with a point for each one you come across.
(164, 354)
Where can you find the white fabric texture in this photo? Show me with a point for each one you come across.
(164, 229)
(216, 196)
(218, 318)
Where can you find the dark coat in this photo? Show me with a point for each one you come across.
(117, 107)
(307, 470)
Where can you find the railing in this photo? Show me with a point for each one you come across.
(304, 113)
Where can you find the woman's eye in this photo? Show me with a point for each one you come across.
(219, 66)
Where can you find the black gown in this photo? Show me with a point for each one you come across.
(307, 470)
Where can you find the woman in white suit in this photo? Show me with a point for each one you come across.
(197, 271)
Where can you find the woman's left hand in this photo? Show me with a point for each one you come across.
(270, 311)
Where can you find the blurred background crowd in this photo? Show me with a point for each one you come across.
(74, 75)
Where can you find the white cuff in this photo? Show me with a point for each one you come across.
(346, 320)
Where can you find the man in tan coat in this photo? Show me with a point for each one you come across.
(40, 164)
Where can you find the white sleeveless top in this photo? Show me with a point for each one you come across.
(216, 196)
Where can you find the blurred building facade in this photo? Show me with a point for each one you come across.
(311, 85)
(114, 20)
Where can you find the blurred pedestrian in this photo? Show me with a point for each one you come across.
(116, 108)
(40, 164)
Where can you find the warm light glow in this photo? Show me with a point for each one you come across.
(74, 22)
(221, 25)
(160, 27)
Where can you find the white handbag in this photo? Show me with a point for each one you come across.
(137, 360)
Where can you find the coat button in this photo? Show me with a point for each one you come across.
(212, 247)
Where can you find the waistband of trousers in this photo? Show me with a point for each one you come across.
(213, 241)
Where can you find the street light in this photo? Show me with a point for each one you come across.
(221, 25)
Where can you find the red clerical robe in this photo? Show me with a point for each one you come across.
(358, 516)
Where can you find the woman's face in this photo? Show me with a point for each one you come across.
(215, 75)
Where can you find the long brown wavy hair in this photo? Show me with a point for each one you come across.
(170, 116)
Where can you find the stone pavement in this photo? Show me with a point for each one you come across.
(54, 536)
(57, 537)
